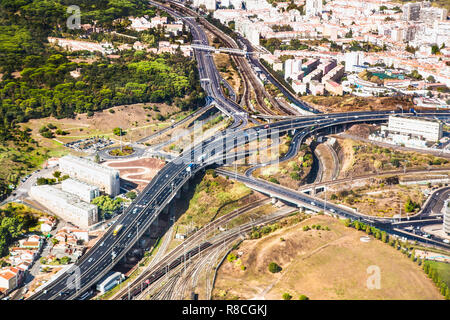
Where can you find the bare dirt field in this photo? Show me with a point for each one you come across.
(136, 120)
(377, 199)
(140, 171)
(321, 265)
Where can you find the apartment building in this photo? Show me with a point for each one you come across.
(84, 191)
(66, 205)
(107, 179)
(411, 11)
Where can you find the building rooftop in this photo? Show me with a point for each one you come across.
(89, 163)
(77, 184)
(415, 118)
(66, 196)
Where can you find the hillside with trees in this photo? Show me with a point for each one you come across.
(36, 79)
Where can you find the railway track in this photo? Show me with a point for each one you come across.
(190, 244)
(217, 242)
(244, 67)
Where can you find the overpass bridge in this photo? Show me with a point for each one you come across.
(221, 49)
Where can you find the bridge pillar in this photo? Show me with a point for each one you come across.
(156, 222)
(165, 210)
(274, 200)
(178, 194)
(186, 186)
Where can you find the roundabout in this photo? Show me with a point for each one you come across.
(117, 152)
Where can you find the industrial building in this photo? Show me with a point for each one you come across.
(84, 191)
(66, 205)
(430, 130)
(107, 179)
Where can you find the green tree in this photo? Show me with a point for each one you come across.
(347, 222)
(65, 260)
(106, 205)
(131, 195)
(287, 296)
(119, 132)
(303, 297)
(274, 267)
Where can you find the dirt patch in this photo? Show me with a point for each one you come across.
(353, 103)
(137, 171)
(362, 130)
(138, 120)
(361, 158)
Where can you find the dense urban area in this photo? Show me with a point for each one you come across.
(225, 150)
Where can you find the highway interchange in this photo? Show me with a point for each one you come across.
(214, 151)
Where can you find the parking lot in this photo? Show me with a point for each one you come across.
(89, 145)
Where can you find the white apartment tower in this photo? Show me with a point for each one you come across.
(107, 179)
(292, 67)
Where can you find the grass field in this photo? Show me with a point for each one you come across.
(321, 265)
(443, 270)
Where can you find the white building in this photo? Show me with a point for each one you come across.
(109, 281)
(209, 4)
(313, 7)
(430, 130)
(107, 179)
(84, 191)
(446, 217)
(292, 67)
(299, 87)
(353, 59)
(66, 205)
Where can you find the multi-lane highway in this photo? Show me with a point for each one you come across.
(209, 75)
(142, 212)
(161, 190)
